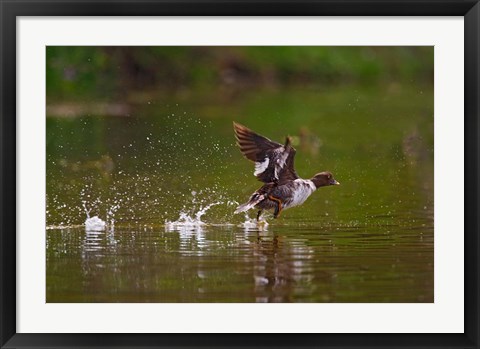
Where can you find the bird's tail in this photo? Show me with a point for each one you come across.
(244, 207)
(255, 199)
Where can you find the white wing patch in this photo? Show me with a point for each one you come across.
(260, 167)
(283, 158)
(278, 158)
(280, 161)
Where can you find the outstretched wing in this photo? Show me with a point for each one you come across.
(273, 162)
(287, 172)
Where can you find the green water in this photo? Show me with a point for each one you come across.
(368, 240)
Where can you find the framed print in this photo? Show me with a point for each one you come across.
(222, 174)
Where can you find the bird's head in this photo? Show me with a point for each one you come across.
(323, 179)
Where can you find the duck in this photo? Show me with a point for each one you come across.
(274, 166)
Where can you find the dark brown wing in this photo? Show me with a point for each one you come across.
(273, 161)
(253, 146)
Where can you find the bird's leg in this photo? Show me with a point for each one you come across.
(276, 213)
(259, 214)
(278, 209)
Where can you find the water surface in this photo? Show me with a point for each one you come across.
(172, 158)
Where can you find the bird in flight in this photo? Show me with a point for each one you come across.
(274, 166)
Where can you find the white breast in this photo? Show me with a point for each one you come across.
(303, 189)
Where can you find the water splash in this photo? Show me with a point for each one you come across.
(95, 224)
(251, 224)
(187, 221)
(204, 210)
(111, 216)
(134, 182)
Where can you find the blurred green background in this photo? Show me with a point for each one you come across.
(75, 73)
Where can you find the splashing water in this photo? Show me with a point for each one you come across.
(193, 222)
(136, 185)
(93, 223)
(111, 216)
(204, 210)
(253, 224)
(186, 221)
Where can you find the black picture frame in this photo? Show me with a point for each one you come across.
(10, 10)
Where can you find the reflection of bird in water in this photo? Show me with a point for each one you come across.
(282, 270)
(274, 165)
(271, 277)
